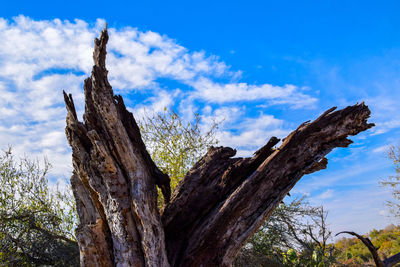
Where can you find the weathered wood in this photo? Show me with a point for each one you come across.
(115, 192)
(217, 206)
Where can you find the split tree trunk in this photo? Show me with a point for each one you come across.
(217, 206)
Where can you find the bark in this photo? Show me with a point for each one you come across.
(217, 206)
(114, 178)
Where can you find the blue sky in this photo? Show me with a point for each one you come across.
(261, 67)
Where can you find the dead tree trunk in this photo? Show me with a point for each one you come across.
(217, 206)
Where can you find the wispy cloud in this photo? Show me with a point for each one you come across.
(251, 133)
(136, 59)
(327, 194)
(357, 175)
(382, 149)
(385, 126)
(234, 92)
(40, 58)
(359, 209)
(154, 104)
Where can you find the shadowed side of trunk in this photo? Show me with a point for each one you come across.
(114, 178)
(217, 206)
(222, 201)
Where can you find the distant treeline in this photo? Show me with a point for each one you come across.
(351, 252)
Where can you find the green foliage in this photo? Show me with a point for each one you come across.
(294, 235)
(351, 251)
(290, 257)
(36, 222)
(175, 146)
(393, 182)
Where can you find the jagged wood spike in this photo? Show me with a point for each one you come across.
(113, 180)
(236, 210)
(217, 206)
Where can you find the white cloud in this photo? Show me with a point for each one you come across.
(226, 116)
(251, 134)
(385, 126)
(383, 110)
(155, 104)
(327, 194)
(30, 47)
(238, 131)
(233, 92)
(322, 180)
(38, 59)
(382, 149)
(358, 210)
(136, 59)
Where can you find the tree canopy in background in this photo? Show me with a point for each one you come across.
(393, 182)
(37, 222)
(296, 234)
(174, 145)
(352, 252)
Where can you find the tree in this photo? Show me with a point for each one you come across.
(295, 234)
(217, 206)
(352, 252)
(174, 145)
(177, 145)
(393, 182)
(36, 223)
(387, 262)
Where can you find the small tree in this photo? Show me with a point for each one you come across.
(393, 182)
(352, 252)
(295, 234)
(174, 145)
(36, 223)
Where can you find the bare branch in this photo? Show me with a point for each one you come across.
(372, 249)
